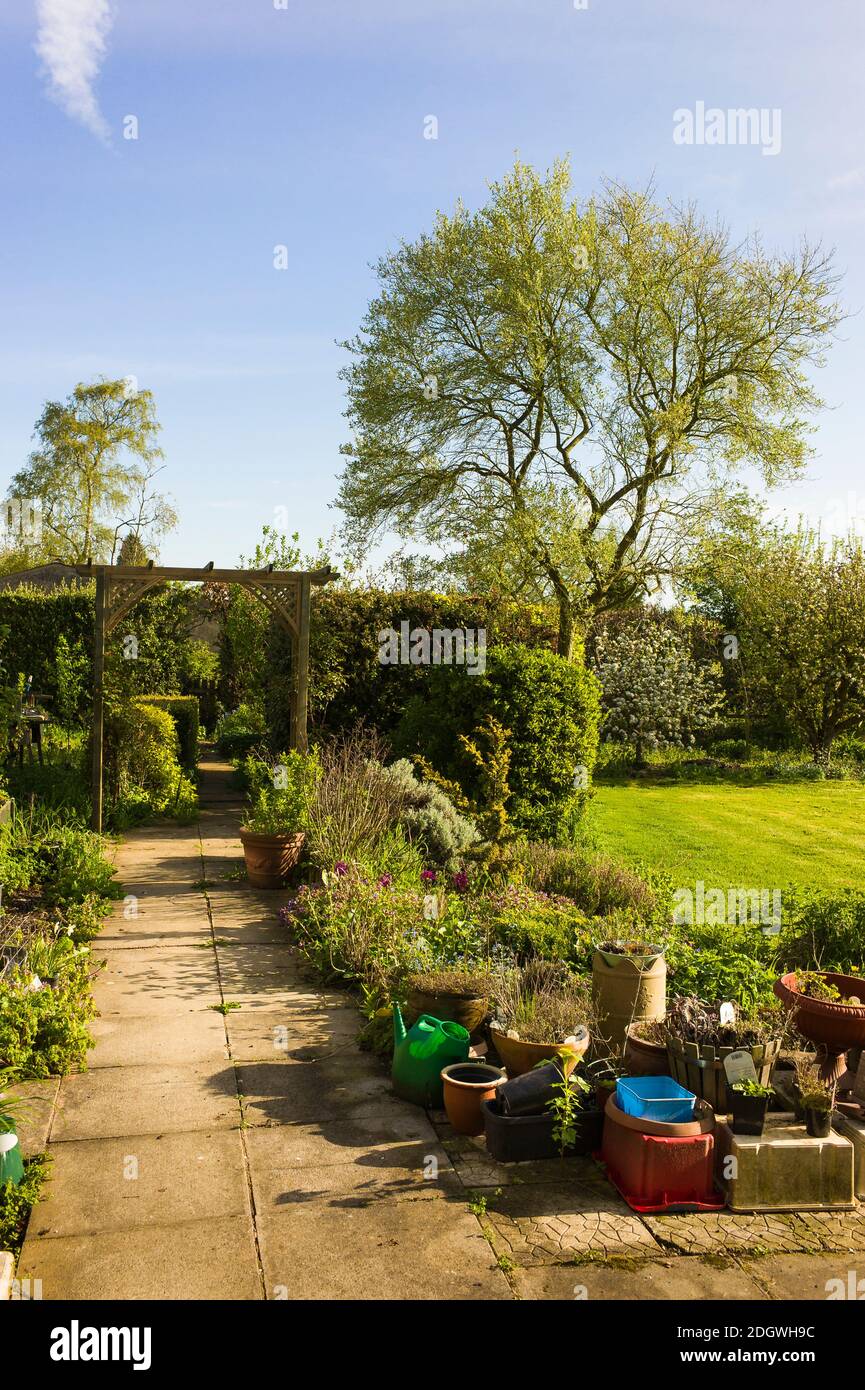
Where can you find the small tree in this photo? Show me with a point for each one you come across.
(798, 608)
(654, 692)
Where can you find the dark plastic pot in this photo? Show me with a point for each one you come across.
(818, 1122)
(518, 1138)
(531, 1093)
(749, 1113)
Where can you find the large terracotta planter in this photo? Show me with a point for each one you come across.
(702, 1123)
(627, 990)
(469, 1010)
(644, 1058)
(519, 1057)
(466, 1085)
(270, 858)
(832, 1026)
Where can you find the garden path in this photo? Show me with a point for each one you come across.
(230, 1141)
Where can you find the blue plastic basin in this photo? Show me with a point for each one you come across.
(655, 1098)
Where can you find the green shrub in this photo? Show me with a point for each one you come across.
(143, 775)
(239, 731)
(596, 883)
(428, 816)
(717, 963)
(184, 711)
(823, 929)
(549, 708)
(281, 792)
(43, 1031)
(17, 1201)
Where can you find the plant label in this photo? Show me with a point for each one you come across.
(739, 1066)
(727, 1014)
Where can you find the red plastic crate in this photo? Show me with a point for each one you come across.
(656, 1173)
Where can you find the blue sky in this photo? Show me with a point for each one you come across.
(303, 126)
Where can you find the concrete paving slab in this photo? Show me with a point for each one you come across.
(403, 1248)
(268, 1037)
(109, 1102)
(157, 981)
(804, 1278)
(762, 1233)
(121, 1184)
(382, 1138)
(33, 1121)
(548, 1225)
(276, 1093)
(686, 1280)
(175, 1040)
(212, 1259)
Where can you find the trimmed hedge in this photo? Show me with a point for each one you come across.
(184, 711)
(347, 682)
(549, 706)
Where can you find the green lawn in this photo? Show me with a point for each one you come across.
(728, 835)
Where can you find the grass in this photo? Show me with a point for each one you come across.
(733, 835)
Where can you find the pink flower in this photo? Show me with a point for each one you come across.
(461, 881)
(385, 881)
(340, 868)
(428, 876)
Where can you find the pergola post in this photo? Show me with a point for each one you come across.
(301, 697)
(98, 703)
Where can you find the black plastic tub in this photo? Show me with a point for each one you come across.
(516, 1138)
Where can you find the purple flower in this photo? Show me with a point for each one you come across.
(340, 868)
(385, 881)
(461, 881)
(428, 876)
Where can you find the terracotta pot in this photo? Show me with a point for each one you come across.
(469, 1010)
(466, 1085)
(627, 990)
(519, 1057)
(835, 1026)
(643, 1058)
(270, 858)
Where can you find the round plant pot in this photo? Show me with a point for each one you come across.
(519, 1138)
(644, 1058)
(530, 1093)
(835, 1027)
(818, 1123)
(466, 1085)
(703, 1122)
(270, 858)
(469, 1010)
(519, 1057)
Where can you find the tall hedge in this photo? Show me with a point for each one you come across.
(348, 683)
(184, 711)
(550, 708)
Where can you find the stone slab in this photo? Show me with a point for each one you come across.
(158, 981)
(685, 1280)
(383, 1138)
(548, 1225)
(121, 1184)
(110, 1102)
(400, 1248)
(173, 1040)
(762, 1233)
(342, 1088)
(33, 1121)
(784, 1169)
(267, 1037)
(212, 1259)
(853, 1129)
(807, 1278)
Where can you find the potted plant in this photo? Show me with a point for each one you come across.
(646, 1049)
(567, 1122)
(459, 994)
(629, 986)
(828, 1009)
(698, 1042)
(539, 1008)
(816, 1098)
(750, 1102)
(466, 1086)
(273, 831)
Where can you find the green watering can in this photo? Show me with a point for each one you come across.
(419, 1055)
(11, 1165)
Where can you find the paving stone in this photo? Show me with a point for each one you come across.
(548, 1224)
(33, 1121)
(477, 1167)
(414, 1248)
(762, 1232)
(212, 1259)
(685, 1280)
(827, 1278)
(109, 1102)
(119, 1184)
(183, 1037)
(342, 1087)
(157, 981)
(280, 1036)
(369, 1174)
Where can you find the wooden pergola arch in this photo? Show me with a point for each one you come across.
(286, 593)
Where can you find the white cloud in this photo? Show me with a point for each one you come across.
(842, 183)
(71, 41)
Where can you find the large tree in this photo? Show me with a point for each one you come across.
(92, 473)
(561, 390)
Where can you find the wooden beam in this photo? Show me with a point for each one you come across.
(98, 704)
(205, 576)
(302, 695)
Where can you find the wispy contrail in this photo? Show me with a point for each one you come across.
(72, 41)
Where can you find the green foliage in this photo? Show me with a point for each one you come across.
(596, 883)
(43, 1030)
(184, 711)
(566, 1105)
(717, 963)
(753, 1088)
(143, 775)
(824, 929)
(281, 792)
(72, 680)
(238, 731)
(549, 708)
(17, 1201)
(429, 816)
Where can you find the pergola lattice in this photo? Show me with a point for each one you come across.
(286, 593)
